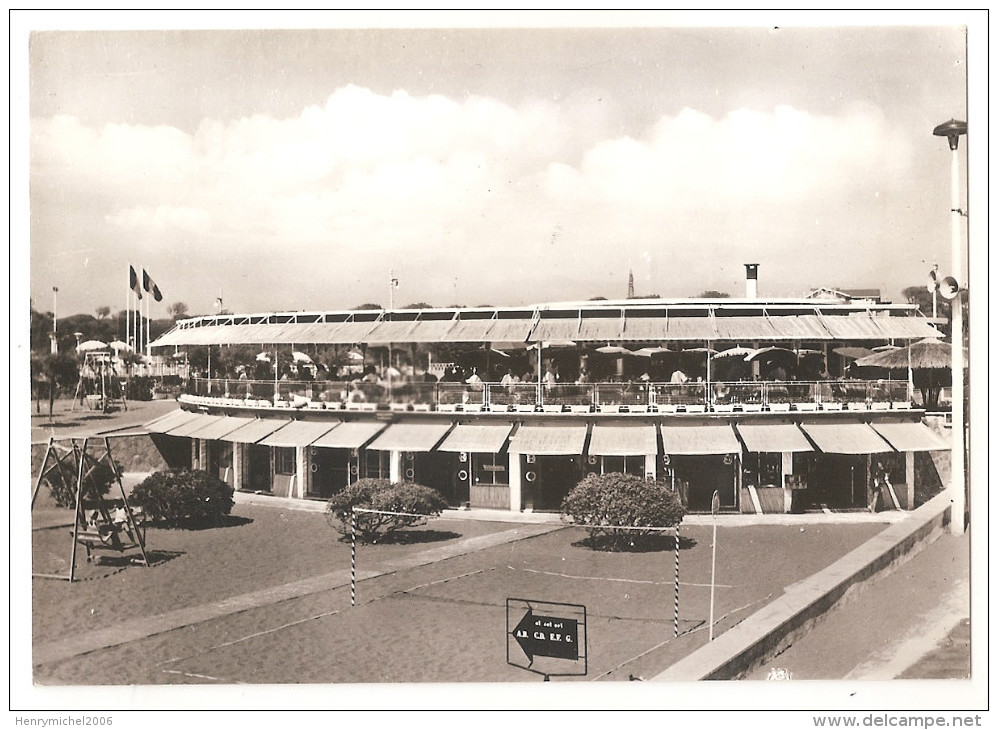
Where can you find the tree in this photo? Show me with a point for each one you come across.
(103, 312)
(713, 294)
(177, 310)
(368, 305)
(59, 370)
(614, 507)
(418, 305)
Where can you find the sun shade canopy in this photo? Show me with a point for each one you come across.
(623, 440)
(171, 420)
(410, 437)
(548, 440)
(474, 438)
(255, 430)
(189, 428)
(705, 438)
(350, 435)
(773, 437)
(846, 438)
(220, 428)
(298, 433)
(910, 436)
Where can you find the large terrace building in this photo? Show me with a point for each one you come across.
(752, 397)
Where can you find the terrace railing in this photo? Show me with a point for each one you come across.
(748, 396)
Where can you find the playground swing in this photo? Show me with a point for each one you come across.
(98, 525)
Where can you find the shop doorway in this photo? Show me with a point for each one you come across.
(553, 478)
(330, 470)
(838, 481)
(438, 470)
(705, 475)
(258, 468)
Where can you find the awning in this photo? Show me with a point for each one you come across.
(191, 427)
(623, 440)
(911, 436)
(549, 440)
(299, 433)
(477, 438)
(773, 437)
(220, 428)
(846, 438)
(255, 430)
(704, 438)
(171, 420)
(350, 435)
(410, 437)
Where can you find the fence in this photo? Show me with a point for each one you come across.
(602, 397)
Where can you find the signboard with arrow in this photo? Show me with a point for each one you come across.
(550, 636)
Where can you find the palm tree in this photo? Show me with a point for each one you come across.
(58, 370)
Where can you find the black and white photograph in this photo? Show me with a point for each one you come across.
(387, 360)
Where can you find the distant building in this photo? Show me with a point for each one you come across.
(846, 295)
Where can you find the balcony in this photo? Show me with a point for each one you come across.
(603, 398)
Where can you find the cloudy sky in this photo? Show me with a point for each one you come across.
(288, 170)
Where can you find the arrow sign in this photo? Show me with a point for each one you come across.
(547, 636)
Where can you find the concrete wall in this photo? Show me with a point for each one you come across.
(769, 631)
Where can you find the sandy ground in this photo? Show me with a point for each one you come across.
(441, 622)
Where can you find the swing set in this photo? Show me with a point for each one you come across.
(100, 524)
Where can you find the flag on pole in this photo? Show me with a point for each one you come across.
(150, 286)
(133, 281)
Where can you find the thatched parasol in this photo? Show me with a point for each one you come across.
(922, 355)
(853, 353)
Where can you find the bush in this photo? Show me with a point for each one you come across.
(604, 502)
(183, 498)
(139, 388)
(380, 494)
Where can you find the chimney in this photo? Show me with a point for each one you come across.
(751, 281)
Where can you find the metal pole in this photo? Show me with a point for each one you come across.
(676, 610)
(714, 506)
(958, 483)
(353, 557)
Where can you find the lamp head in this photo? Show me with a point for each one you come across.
(952, 131)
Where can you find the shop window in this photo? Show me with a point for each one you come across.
(284, 460)
(489, 469)
(633, 465)
(376, 464)
(762, 469)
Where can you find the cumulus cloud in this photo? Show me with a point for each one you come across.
(474, 185)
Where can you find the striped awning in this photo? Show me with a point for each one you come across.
(477, 438)
(190, 428)
(299, 433)
(699, 439)
(255, 430)
(623, 440)
(220, 428)
(171, 420)
(410, 437)
(351, 435)
(911, 436)
(549, 440)
(773, 437)
(846, 438)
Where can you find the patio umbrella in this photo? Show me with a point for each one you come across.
(263, 357)
(733, 352)
(613, 350)
(650, 351)
(852, 353)
(118, 346)
(354, 355)
(885, 348)
(771, 353)
(922, 355)
(300, 357)
(91, 346)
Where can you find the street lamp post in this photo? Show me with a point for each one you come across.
(952, 130)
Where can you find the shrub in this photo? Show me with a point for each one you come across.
(183, 498)
(139, 387)
(380, 494)
(602, 503)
